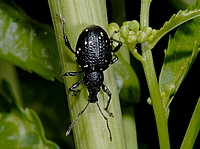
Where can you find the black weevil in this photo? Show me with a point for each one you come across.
(94, 55)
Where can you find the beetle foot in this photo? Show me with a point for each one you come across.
(109, 113)
(75, 92)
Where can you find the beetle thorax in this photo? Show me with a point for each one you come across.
(93, 80)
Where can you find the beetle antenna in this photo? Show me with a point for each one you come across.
(113, 39)
(70, 127)
(115, 31)
(106, 119)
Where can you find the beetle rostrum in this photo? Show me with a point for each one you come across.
(93, 54)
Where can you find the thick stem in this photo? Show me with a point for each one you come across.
(152, 82)
(90, 131)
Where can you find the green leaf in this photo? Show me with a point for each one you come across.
(26, 43)
(127, 82)
(176, 20)
(20, 128)
(179, 57)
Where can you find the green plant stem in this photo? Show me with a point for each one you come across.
(152, 82)
(193, 129)
(90, 132)
(8, 72)
(130, 127)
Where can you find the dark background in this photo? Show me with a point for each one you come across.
(181, 108)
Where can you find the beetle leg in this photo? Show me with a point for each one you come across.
(114, 59)
(107, 91)
(115, 50)
(106, 119)
(80, 113)
(113, 39)
(118, 46)
(71, 73)
(64, 34)
(74, 85)
(72, 88)
(67, 42)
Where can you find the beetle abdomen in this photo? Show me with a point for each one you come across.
(93, 50)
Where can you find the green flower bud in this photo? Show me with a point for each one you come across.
(147, 30)
(154, 31)
(142, 37)
(134, 25)
(112, 27)
(132, 39)
(124, 31)
(126, 23)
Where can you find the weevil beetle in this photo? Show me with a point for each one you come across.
(94, 55)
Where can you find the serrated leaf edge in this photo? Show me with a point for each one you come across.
(173, 22)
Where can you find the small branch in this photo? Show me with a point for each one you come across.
(136, 54)
(193, 129)
(152, 82)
